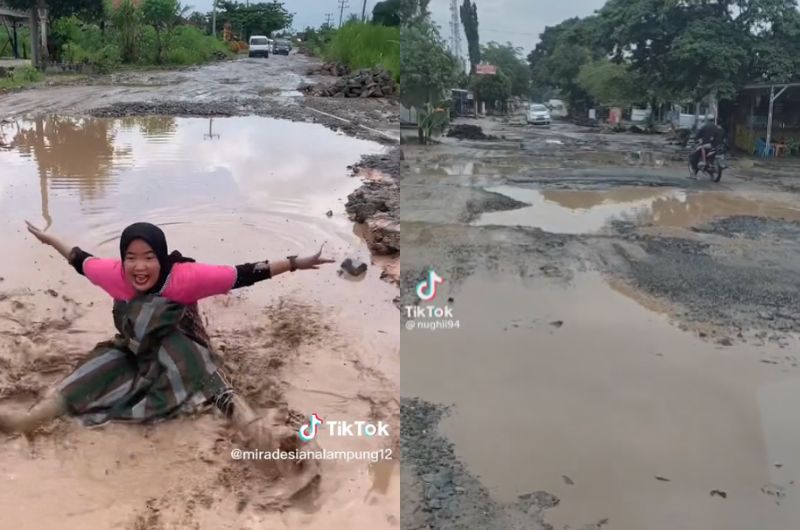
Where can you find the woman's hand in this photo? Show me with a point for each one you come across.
(312, 262)
(50, 240)
(47, 239)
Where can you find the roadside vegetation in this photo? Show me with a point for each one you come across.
(100, 36)
(365, 45)
(357, 44)
(702, 49)
(20, 77)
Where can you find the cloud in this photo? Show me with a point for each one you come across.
(517, 21)
(306, 12)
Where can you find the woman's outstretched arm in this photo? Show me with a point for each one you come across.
(191, 282)
(105, 273)
(49, 239)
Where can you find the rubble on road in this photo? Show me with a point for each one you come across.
(375, 83)
(468, 132)
(376, 203)
(335, 69)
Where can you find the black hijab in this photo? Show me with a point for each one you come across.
(153, 236)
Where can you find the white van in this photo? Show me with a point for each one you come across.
(259, 46)
(557, 108)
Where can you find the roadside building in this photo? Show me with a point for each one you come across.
(765, 119)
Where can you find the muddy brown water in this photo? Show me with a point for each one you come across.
(226, 191)
(613, 397)
(591, 211)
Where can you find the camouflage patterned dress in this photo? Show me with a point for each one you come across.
(159, 364)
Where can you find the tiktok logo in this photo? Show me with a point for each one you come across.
(426, 289)
(309, 431)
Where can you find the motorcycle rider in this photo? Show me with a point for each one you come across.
(709, 136)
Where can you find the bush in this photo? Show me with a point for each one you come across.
(84, 44)
(21, 77)
(129, 41)
(187, 45)
(360, 45)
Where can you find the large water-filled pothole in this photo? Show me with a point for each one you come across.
(590, 211)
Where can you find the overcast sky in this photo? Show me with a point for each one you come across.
(517, 21)
(306, 12)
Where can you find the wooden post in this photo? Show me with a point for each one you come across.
(769, 115)
(16, 38)
(772, 97)
(41, 6)
(36, 54)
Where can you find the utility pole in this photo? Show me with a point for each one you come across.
(455, 30)
(214, 21)
(329, 19)
(342, 5)
(364, 12)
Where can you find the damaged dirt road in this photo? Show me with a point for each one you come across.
(232, 175)
(626, 349)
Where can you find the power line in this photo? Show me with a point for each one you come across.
(328, 19)
(342, 5)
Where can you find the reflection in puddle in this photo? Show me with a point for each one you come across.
(607, 407)
(781, 422)
(590, 211)
(165, 168)
(258, 177)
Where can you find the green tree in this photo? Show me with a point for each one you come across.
(494, 90)
(775, 56)
(161, 15)
(127, 20)
(509, 60)
(413, 11)
(611, 83)
(695, 48)
(255, 19)
(558, 57)
(199, 20)
(387, 13)
(88, 10)
(469, 18)
(709, 57)
(429, 70)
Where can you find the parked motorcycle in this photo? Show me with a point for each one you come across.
(715, 162)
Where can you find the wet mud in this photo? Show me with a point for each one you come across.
(624, 295)
(297, 341)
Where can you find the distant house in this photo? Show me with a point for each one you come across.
(408, 117)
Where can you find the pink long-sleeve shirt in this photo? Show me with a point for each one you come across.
(186, 284)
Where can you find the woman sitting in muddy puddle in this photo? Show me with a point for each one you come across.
(161, 361)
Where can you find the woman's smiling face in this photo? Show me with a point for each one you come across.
(141, 265)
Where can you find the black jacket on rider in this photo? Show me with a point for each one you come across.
(710, 133)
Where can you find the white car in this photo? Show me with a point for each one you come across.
(259, 46)
(538, 114)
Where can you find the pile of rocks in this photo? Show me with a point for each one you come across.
(336, 69)
(375, 83)
(468, 132)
